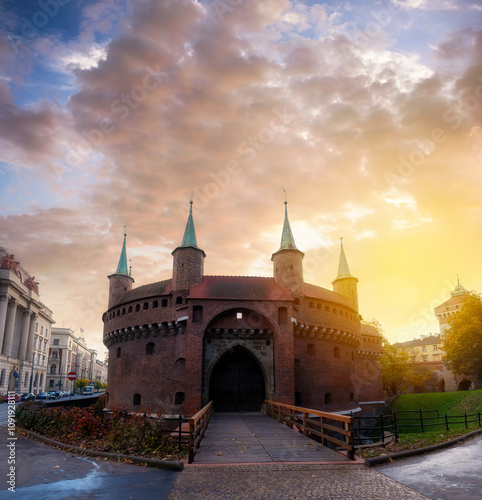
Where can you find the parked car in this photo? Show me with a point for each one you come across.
(53, 395)
(42, 395)
(27, 397)
(6, 398)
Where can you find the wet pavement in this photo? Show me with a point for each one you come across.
(257, 438)
(451, 474)
(44, 473)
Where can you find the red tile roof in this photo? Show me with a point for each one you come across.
(239, 288)
(145, 291)
(317, 292)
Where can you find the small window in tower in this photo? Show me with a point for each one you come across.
(311, 350)
(129, 310)
(123, 311)
(150, 348)
(179, 398)
(138, 307)
(155, 304)
(268, 342)
(137, 399)
(197, 314)
(164, 303)
(118, 352)
(146, 306)
(118, 312)
(178, 300)
(239, 315)
(282, 315)
(328, 398)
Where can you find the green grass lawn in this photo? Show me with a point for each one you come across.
(452, 403)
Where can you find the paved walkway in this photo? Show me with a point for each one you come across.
(257, 438)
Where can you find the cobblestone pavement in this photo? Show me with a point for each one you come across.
(287, 481)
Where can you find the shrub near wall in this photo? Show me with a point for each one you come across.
(90, 428)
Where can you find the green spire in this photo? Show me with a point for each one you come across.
(343, 271)
(189, 239)
(287, 240)
(122, 266)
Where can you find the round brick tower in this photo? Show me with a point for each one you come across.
(188, 260)
(288, 261)
(121, 281)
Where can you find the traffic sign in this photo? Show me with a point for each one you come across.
(15, 374)
(72, 375)
(91, 384)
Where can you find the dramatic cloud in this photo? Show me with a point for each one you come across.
(375, 138)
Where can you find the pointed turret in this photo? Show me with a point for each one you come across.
(288, 261)
(122, 266)
(345, 284)
(189, 238)
(121, 281)
(188, 262)
(459, 289)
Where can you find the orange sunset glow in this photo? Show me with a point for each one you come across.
(368, 115)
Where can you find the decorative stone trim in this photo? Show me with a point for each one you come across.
(240, 332)
(144, 331)
(368, 355)
(330, 334)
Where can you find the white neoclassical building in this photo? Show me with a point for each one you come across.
(69, 353)
(25, 324)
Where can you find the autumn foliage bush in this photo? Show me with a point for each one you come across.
(90, 427)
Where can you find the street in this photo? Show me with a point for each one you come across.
(43, 472)
(450, 474)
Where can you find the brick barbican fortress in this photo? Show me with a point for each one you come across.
(176, 344)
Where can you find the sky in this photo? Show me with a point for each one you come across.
(115, 113)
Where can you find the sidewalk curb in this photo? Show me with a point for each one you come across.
(150, 462)
(370, 462)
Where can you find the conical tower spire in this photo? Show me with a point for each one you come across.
(122, 266)
(121, 281)
(343, 270)
(345, 284)
(189, 238)
(287, 239)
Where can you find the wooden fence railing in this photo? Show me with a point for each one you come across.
(302, 419)
(197, 427)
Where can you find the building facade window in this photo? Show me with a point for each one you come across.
(179, 398)
(150, 348)
(53, 369)
(56, 341)
(137, 399)
(118, 352)
(328, 398)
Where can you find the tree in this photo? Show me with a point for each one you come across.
(81, 382)
(395, 363)
(462, 341)
(396, 367)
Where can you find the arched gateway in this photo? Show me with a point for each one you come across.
(237, 382)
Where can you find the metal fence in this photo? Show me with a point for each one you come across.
(385, 427)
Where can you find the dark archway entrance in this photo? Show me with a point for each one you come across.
(237, 382)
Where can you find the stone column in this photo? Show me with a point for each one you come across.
(9, 327)
(22, 349)
(3, 317)
(31, 337)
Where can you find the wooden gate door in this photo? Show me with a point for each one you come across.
(237, 383)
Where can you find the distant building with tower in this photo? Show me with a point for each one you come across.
(428, 349)
(176, 344)
(25, 327)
